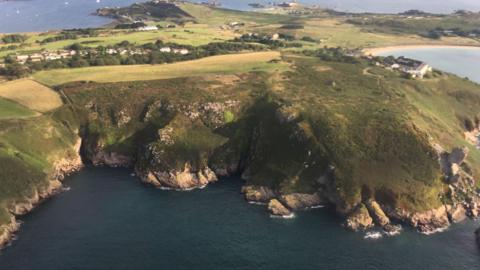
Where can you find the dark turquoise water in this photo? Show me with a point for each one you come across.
(42, 15)
(108, 220)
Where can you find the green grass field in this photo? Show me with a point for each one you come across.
(190, 34)
(222, 64)
(10, 109)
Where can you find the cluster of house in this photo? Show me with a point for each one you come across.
(45, 56)
(62, 54)
(153, 27)
(453, 33)
(415, 68)
(232, 25)
(174, 50)
(181, 51)
(147, 28)
(287, 4)
(274, 36)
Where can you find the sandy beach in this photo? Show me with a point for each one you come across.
(383, 50)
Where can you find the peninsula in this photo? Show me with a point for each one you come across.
(294, 101)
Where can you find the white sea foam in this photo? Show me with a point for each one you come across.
(393, 233)
(292, 215)
(182, 189)
(316, 206)
(373, 235)
(437, 230)
(257, 203)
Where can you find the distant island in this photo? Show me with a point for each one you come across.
(294, 100)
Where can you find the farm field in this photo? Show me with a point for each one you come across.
(31, 94)
(222, 64)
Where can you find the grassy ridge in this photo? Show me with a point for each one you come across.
(223, 64)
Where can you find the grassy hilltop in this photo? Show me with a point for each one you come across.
(281, 117)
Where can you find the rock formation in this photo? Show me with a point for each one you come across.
(359, 219)
(299, 201)
(258, 194)
(276, 208)
(182, 180)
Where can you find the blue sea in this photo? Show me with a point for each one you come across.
(109, 220)
(42, 15)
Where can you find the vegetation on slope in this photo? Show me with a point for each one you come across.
(10, 109)
(223, 64)
(365, 122)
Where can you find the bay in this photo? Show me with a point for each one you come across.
(43, 15)
(109, 220)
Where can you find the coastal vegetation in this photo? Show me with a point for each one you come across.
(223, 64)
(287, 102)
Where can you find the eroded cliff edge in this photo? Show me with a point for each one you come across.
(380, 151)
(308, 137)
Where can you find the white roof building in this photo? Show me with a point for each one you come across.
(165, 49)
(147, 28)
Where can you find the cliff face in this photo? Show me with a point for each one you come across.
(296, 138)
(306, 138)
(68, 163)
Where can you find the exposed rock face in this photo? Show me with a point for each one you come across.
(7, 231)
(359, 219)
(67, 165)
(227, 170)
(456, 213)
(60, 169)
(377, 213)
(276, 208)
(111, 159)
(181, 180)
(258, 194)
(431, 220)
(298, 201)
(451, 162)
(93, 150)
(122, 118)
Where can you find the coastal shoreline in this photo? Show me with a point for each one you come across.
(381, 50)
(61, 168)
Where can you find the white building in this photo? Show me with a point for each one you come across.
(147, 28)
(165, 49)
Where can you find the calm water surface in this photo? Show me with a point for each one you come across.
(41, 15)
(108, 220)
(463, 62)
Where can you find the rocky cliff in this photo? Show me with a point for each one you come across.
(63, 166)
(373, 164)
(309, 137)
